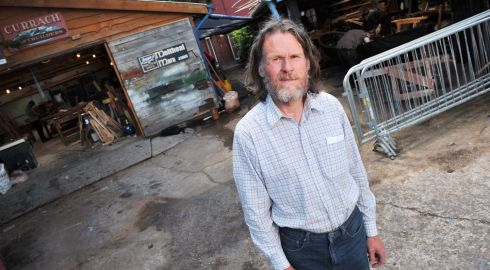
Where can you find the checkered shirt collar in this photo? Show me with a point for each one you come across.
(274, 114)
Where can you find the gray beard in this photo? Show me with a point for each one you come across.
(283, 95)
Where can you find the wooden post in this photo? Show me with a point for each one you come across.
(439, 17)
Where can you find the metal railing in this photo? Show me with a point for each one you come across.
(418, 80)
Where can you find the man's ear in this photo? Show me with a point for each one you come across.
(307, 65)
(261, 70)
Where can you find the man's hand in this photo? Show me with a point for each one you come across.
(376, 251)
(289, 268)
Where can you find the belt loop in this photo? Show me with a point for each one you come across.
(342, 229)
(331, 236)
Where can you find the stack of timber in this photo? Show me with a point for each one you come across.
(349, 10)
(116, 107)
(106, 128)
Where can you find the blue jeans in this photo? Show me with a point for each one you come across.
(344, 248)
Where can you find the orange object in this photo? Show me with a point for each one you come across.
(215, 113)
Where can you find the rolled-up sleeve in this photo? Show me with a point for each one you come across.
(366, 201)
(256, 203)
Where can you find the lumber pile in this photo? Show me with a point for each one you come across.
(106, 128)
(348, 11)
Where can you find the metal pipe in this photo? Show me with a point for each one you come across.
(201, 51)
(273, 9)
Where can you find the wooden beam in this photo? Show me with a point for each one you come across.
(124, 24)
(339, 3)
(51, 82)
(129, 5)
(343, 9)
(139, 128)
(414, 21)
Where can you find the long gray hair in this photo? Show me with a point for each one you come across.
(254, 81)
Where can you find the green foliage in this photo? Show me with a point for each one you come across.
(242, 40)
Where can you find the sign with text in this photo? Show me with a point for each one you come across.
(163, 58)
(34, 31)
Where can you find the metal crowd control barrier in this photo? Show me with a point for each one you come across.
(418, 80)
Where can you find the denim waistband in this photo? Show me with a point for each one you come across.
(299, 233)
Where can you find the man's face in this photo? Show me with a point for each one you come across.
(284, 67)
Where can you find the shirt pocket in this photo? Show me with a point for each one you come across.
(335, 139)
(334, 156)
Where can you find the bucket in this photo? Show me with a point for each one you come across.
(231, 101)
(5, 183)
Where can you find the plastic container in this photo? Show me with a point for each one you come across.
(5, 183)
(231, 101)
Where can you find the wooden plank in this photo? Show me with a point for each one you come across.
(154, 6)
(413, 21)
(86, 17)
(121, 45)
(106, 128)
(357, 6)
(125, 91)
(97, 26)
(410, 20)
(112, 32)
(108, 29)
(150, 41)
(339, 3)
(410, 77)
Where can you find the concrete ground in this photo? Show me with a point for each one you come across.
(180, 210)
(63, 169)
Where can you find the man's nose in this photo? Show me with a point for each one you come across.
(286, 64)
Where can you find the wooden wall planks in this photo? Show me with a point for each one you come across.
(92, 26)
(160, 98)
(168, 95)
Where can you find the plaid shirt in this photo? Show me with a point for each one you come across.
(308, 175)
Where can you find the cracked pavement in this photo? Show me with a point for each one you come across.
(433, 201)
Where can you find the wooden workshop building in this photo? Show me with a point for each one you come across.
(139, 59)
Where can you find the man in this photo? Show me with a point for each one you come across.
(374, 18)
(353, 38)
(347, 44)
(301, 182)
(33, 118)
